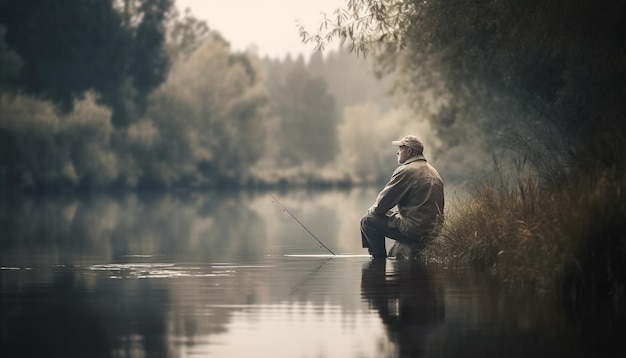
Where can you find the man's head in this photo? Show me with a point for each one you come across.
(409, 146)
(410, 141)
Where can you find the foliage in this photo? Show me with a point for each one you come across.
(149, 63)
(219, 118)
(10, 62)
(351, 80)
(544, 78)
(209, 118)
(203, 127)
(364, 23)
(69, 47)
(548, 74)
(568, 243)
(185, 33)
(41, 148)
(307, 118)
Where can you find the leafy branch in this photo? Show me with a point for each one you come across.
(363, 24)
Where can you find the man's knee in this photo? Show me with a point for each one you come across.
(371, 222)
(376, 225)
(364, 221)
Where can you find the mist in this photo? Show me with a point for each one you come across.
(222, 119)
(212, 118)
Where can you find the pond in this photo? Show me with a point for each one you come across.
(232, 274)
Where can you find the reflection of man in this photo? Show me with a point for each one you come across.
(409, 300)
(416, 189)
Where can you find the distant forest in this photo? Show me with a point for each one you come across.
(128, 94)
(100, 94)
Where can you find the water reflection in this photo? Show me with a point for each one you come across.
(204, 227)
(409, 300)
(230, 275)
(66, 318)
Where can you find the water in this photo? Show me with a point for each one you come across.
(233, 275)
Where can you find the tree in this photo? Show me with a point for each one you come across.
(184, 34)
(149, 62)
(69, 47)
(10, 62)
(551, 74)
(205, 125)
(308, 118)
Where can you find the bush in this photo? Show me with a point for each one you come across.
(566, 242)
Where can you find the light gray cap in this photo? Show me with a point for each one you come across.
(410, 141)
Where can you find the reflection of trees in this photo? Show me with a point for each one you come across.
(66, 319)
(485, 318)
(107, 228)
(74, 311)
(77, 315)
(409, 301)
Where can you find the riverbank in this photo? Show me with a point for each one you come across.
(566, 243)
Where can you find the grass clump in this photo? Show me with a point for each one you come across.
(567, 241)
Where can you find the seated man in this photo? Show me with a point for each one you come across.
(416, 189)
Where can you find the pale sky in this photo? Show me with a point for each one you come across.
(270, 25)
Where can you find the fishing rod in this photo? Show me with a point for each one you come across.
(301, 224)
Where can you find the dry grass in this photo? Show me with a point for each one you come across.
(569, 242)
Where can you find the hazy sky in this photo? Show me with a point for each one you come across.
(268, 24)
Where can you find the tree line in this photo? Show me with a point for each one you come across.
(131, 94)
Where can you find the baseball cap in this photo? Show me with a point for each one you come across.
(410, 141)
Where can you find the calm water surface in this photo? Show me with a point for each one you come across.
(233, 275)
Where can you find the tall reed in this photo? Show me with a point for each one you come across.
(567, 242)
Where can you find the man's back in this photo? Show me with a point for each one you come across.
(423, 201)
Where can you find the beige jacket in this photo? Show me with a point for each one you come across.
(416, 189)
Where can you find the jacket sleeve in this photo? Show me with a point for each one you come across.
(391, 194)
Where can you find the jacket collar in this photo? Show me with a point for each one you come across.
(414, 159)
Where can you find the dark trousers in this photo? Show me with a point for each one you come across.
(374, 229)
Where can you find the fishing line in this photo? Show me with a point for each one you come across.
(309, 277)
(301, 224)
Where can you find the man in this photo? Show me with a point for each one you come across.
(416, 190)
